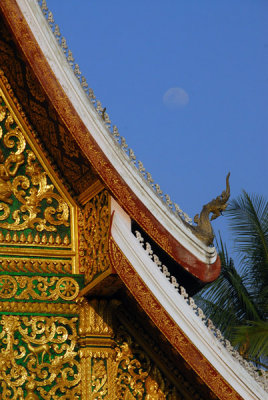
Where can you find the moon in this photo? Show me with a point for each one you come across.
(176, 97)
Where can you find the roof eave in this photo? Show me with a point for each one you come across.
(48, 63)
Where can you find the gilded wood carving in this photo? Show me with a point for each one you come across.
(94, 223)
(24, 183)
(38, 358)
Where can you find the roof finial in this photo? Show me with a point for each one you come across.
(203, 230)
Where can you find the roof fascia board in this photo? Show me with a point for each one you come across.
(185, 318)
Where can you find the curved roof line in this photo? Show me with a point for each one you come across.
(49, 64)
(185, 330)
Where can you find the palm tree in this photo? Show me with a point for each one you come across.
(237, 301)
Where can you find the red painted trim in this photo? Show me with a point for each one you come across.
(162, 320)
(111, 178)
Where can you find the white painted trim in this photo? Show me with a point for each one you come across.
(183, 315)
(65, 76)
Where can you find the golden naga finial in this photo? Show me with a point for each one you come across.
(203, 229)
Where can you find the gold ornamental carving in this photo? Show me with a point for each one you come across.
(113, 365)
(137, 376)
(33, 265)
(40, 288)
(96, 317)
(38, 205)
(36, 212)
(38, 358)
(23, 307)
(94, 223)
(203, 229)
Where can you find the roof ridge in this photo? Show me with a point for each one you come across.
(119, 140)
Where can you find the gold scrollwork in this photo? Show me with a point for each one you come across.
(38, 357)
(38, 206)
(137, 376)
(38, 288)
(94, 227)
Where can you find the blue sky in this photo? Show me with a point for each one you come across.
(216, 53)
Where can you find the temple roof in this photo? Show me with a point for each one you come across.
(77, 135)
(100, 148)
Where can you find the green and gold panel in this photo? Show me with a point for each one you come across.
(37, 216)
(39, 357)
(39, 354)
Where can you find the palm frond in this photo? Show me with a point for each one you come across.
(254, 337)
(248, 216)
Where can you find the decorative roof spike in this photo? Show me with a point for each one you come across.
(91, 95)
(228, 345)
(107, 120)
(77, 71)
(178, 209)
(187, 218)
(139, 237)
(174, 282)
(99, 108)
(50, 18)
(156, 260)
(148, 249)
(131, 155)
(115, 133)
(158, 190)
(168, 200)
(64, 44)
(210, 325)
(57, 32)
(70, 58)
(123, 143)
(192, 303)
(183, 293)
(201, 314)
(149, 178)
(141, 168)
(84, 83)
(44, 7)
(219, 335)
(165, 271)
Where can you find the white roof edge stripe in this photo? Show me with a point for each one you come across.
(183, 315)
(71, 86)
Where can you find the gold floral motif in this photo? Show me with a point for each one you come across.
(8, 287)
(38, 205)
(38, 355)
(94, 227)
(137, 376)
(38, 288)
(99, 378)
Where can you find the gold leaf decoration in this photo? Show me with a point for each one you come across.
(94, 225)
(43, 362)
(20, 287)
(27, 198)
